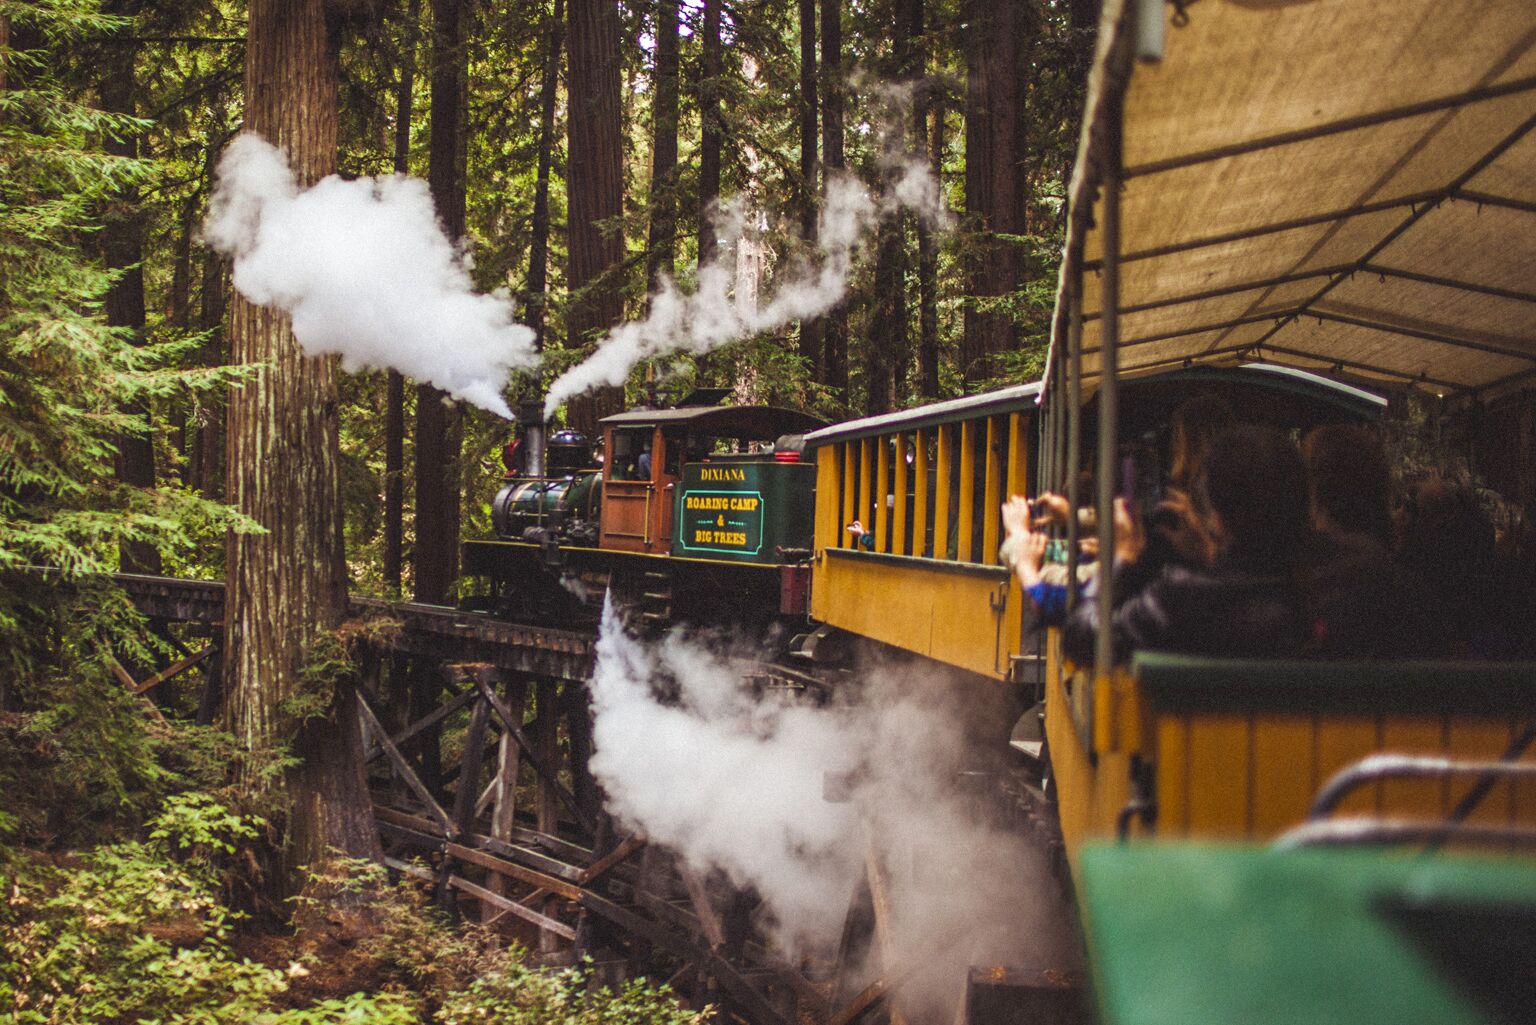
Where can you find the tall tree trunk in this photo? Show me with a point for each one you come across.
(394, 399)
(995, 202)
(834, 326)
(661, 245)
(538, 248)
(928, 275)
(208, 445)
(810, 330)
(394, 416)
(286, 588)
(595, 189)
(439, 422)
(929, 100)
(886, 347)
(710, 130)
(711, 139)
(122, 244)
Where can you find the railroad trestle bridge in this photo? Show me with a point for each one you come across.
(530, 851)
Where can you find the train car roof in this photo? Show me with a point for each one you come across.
(1005, 400)
(1314, 184)
(764, 423)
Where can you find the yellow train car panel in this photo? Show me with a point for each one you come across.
(920, 493)
(991, 504)
(967, 511)
(1239, 749)
(899, 487)
(941, 507)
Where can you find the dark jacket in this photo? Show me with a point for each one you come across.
(1360, 603)
(1227, 611)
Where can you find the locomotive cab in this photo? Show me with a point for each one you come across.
(706, 482)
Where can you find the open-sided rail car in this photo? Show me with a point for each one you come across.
(928, 484)
(1314, 186)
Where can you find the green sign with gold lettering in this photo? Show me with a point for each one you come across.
(730, 522)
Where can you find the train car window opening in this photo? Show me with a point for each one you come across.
(629, 446)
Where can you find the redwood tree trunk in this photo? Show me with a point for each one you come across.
(595, 188)
(287, 587)
(439, 423)
(122, 243)
(661, 245)
(994, 181)
(810, 330)
(928, 276)
(394, 399)
(710, 134)
(538, 247)
(834, 325)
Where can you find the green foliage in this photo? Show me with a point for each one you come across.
(519, 995)
(194, 824)
(126, 933)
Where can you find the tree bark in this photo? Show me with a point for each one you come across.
(661, 245)
(538, 248)
(810, 330)
(995, 197)
(929, 101)
(928, 276)
(286, 588)
(394, 400)
(122, 244)
(886, 347)
(710, 130)
(834, 326)
(439, 422)
(595, 190)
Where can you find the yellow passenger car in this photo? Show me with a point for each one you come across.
(926, 486)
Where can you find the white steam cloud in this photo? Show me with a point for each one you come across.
(713, 315)
(366, 272)
(732, 780)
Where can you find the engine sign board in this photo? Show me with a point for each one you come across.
(730, 522)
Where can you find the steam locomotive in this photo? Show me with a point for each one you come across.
(699, 513)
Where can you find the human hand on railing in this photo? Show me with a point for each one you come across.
(1023, 547)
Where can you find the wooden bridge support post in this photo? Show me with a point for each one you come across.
(544, 736)
(211, 701)
(468, 790)
(426, 687)
(504, 801)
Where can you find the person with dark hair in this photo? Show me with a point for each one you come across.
(1245, 603)
(1360, 602)
(1448, 540)
(1194, 423)
(1351, 486)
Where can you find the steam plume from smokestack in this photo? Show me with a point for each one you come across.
(366, 272)
(712, 316)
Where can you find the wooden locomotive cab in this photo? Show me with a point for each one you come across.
(665, 468)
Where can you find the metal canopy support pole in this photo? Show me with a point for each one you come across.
(1074, 399)
(1103, 652)
(1063, 405)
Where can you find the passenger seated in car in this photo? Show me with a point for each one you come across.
(1360, 602)
(1247, 602)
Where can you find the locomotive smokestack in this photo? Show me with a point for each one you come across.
(531, 416)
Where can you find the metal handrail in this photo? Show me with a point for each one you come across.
(1381, 767)
(1339, 832)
